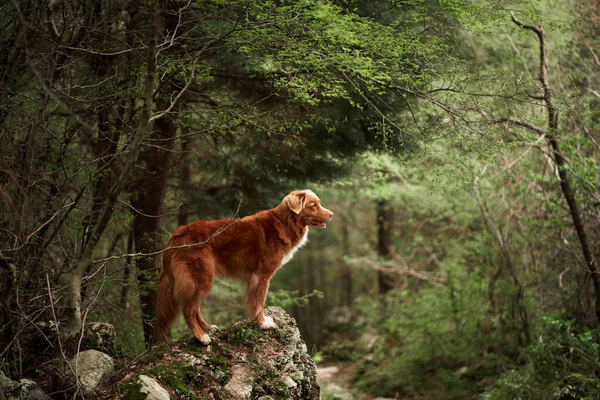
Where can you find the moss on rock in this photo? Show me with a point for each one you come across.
(242, 362)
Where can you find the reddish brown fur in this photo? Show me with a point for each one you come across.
(250, 250)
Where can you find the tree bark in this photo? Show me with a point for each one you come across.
(129, 265)
(345, 269)
(71, 311)
(147, 200)
(185, 174)
(385, 229)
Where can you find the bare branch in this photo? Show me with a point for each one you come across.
(231, 221)
(100, 53)
(518, 123)
(595, 56)
(148, 215)
(174, 102)
(394, 267)
(595, 93)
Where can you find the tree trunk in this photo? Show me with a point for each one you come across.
(312, 307)
(71, 310)
(147, 200)
(561, 163)
(129, 265)
(385, 229)
(185, 173)
(345, 269)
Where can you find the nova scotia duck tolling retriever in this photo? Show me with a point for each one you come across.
(250, 249)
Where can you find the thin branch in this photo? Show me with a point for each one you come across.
(392, 267)
(100, 53)
(148, 215)
(518, 123)
(174, 102)
(47, 222)
(231, 221)
(595, 93)
(595, 56)
(40, 227)
(56, 324)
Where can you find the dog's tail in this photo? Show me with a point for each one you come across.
(166, 304)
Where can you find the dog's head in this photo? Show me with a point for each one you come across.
(306, 207)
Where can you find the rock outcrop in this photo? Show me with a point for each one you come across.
(242, 362)
(24, 389)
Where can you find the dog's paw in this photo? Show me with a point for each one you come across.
(213, 328)
(268, 323)
(204, 339)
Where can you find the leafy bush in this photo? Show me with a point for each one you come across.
(432, 342)
(564, 363)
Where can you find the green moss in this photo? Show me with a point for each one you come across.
(131, 391)
(192, 344)
(242, 334)
(178, 378)
(268, 383)
(220, 366)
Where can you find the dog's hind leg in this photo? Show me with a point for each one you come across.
(194, 295)
(166, 308)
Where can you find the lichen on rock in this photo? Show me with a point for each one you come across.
(90, 367)
(100, 336)
(25, 389)
(242, 362)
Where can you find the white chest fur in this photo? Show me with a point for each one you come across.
(294, 249)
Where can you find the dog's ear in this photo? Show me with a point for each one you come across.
(295, 201)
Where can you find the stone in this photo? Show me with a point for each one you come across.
(91, 366)
(289, 382)
(241, 382)
(25, 389)
(153, 389)
(242, 362)
(100, 336)
(34, 392)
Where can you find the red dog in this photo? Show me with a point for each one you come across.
(251, 249)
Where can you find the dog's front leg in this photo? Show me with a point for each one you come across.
(255, 300)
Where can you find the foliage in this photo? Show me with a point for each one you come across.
(561, 364)
(284, 298)
(431, 107)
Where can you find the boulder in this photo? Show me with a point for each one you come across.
(152, 389)
(91, 367)
(241, 362)
(100, 336)
(25, 389)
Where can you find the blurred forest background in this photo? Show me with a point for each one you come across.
(457, 145)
